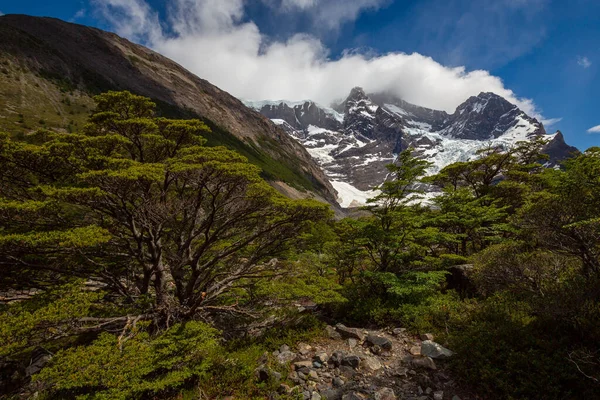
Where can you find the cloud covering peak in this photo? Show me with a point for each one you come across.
(215, 40)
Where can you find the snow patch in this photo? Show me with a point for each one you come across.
(350, 196)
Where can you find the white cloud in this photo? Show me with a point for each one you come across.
(594, 129)
(327, 14)
(79, 14)
(550, 121)
(584, 62)
(213, 39)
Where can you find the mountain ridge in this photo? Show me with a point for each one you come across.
(56, 62)
(354, 147)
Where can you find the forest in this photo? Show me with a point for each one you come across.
(139, 263)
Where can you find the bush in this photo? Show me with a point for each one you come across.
(132, 366)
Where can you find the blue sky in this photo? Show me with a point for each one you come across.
(543, 55)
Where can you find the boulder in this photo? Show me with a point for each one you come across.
(424, 362)
(351, 361)
(435, 350)
(385, 394)
(321, 357)
(37, 365)
(336, 358)
(332, 333)
(415, 350)
(384, 343)
(371, 364)
(350, 333)
(338, 382)
(304, 348)
(286, 357)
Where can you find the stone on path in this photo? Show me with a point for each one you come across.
(380, 341)
(350, 333)
(424, 362)
(435, 350)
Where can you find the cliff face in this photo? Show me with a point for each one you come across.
(58, 66)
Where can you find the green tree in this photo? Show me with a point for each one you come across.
(390, 234)
(137, 204)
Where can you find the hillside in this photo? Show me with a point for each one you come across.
(50, 69)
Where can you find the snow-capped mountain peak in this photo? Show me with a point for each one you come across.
(353, 147)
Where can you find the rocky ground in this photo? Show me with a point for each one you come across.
(356, 364)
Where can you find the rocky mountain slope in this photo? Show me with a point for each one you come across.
(49, 69)
(358, 364)
(354, 140)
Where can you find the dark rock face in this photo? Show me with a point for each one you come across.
(485, 117)
(354, 147)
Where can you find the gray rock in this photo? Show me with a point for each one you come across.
(435, 350)
(331, 394)
(371, 364)
(37, 365)
(351, 361)
(352, 342)
(286, 357)
(332, 333)
(415, 350)
(338, 382)
(304, 348)
(315, 396)
(350, 333)
(302, 364)
(347, 372)
(312, 375)
(426, 336)
(380, 341)
(424, 362)
(321, 357)
(438, 395)
(385, 394)
(399, 331)
(317, 364)
(455, 397)
(284, 348)
(336, 358)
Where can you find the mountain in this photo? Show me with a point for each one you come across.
(354, 140)
(50, 69)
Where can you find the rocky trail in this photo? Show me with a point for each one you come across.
(357, 364)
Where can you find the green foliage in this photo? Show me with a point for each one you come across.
(135, 366)
(45, 317)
